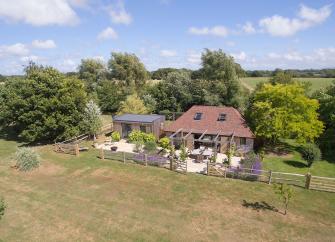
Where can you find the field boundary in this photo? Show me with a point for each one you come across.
(307, 181)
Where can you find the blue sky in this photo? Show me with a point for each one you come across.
(167, 33)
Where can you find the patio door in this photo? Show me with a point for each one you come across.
(126, 130)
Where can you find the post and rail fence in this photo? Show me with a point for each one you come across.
(307, 181)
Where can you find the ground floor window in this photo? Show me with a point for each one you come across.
(243, 141)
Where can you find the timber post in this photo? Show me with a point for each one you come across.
(308, 180)
(270, 177)
(102, 154)
(207, 168)
(124, 157)
(146, 159)
(76, 149)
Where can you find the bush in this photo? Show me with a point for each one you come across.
(139, 136)
(150, 147)
(164, 143)
(310, 153)
(27, 159)
(135, 135)
(2, 207)
(116, 136)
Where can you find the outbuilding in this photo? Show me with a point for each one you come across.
(148, 123)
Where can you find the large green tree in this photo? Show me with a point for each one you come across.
(133, 104)
(92, 71)
(173, 93)
(128, 69)
(221, 70)
(44, 106)
(284, 111)
(327, 114)
(111, 94)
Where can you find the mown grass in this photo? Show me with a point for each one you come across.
(86, 199)
(286, 158)
(317, 83)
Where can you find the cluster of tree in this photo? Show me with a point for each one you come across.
(326, 99)
(48, 105)
(294, 72)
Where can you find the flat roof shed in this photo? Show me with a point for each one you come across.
(137, 118)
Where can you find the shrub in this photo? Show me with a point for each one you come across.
(2, 207)
(139, 136)
(135, 135)
(27, 159)
(164, 143)
(310, 153)
(148, 137)
(150, 146)
(116, 136)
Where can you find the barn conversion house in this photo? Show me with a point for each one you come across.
(210, 126)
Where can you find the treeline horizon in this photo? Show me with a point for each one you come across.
(162, 72)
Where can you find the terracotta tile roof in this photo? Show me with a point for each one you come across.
(234, 122)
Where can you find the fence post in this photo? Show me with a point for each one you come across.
(308, 180)
(225, 172)
(207, 168)
(171, 164)
(124, 157)
(102, 154)
(76, 149)
(270, 177)
(146, 159)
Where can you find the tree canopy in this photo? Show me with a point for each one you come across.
(92, 71)
(128, 69)
(327, 115)
(44, 106)
(284, 111)
(133, 104)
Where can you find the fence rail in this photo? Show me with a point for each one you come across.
(72, 149)
(222, 170)
(307, 181)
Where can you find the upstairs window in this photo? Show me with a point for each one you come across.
(222, 117)
(197, 116)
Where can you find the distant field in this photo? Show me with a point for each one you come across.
(317, 83)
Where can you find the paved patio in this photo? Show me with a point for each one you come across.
(122, 146)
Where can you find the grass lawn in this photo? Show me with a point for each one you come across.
(286, 158)
(87, 199)
(317, 83)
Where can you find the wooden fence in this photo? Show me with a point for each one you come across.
(72, 149)
(322, 183)
(141, 158)
(307, 181)
(222, 170)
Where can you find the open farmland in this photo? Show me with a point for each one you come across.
(317, 83)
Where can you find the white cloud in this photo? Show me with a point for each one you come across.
(248, 28)
(315, 15)
(194, 58)
(30, 58)
(118, 13)
(108, 33)
(168, 53)
(241, 56)
(282, 26)
(220, 31)
(17, 49)
(39, 12)
(44, 44)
